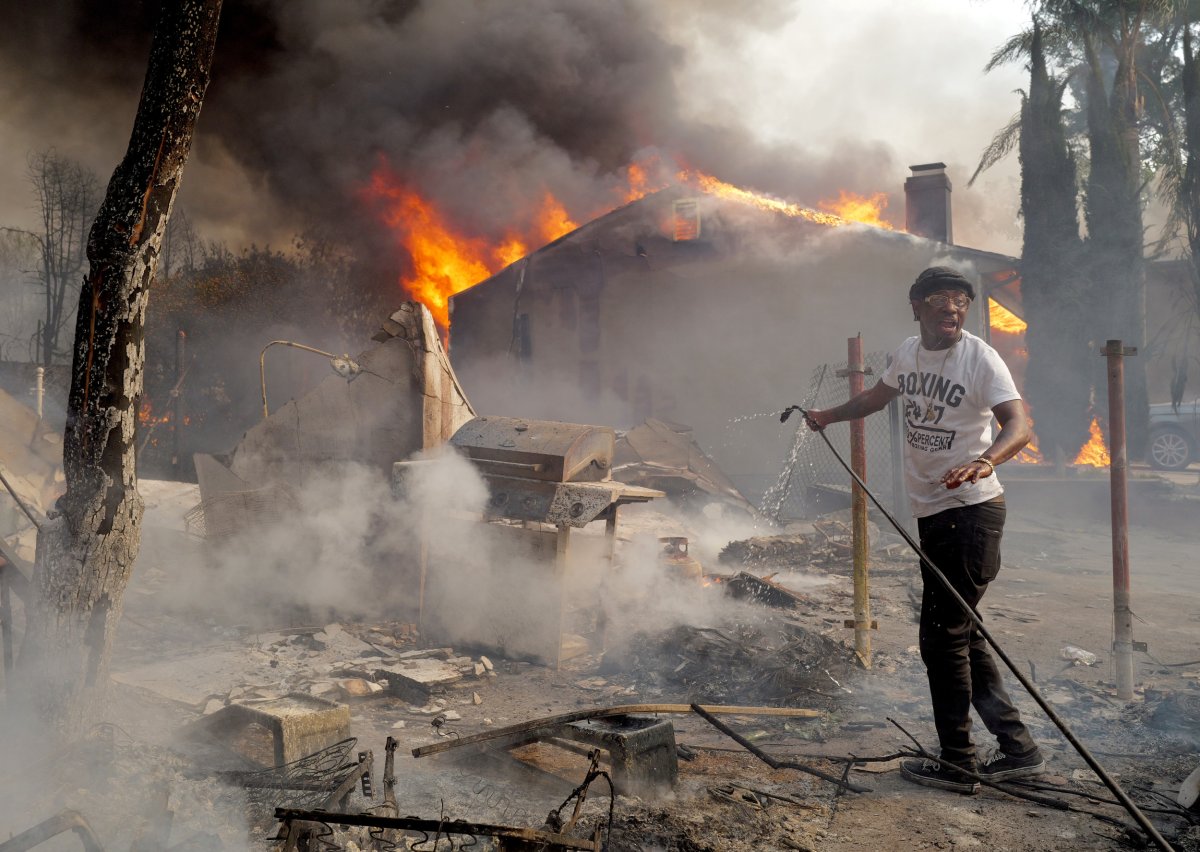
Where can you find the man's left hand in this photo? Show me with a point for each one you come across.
(969, 472)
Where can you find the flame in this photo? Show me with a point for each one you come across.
(639, 182)
(721, 189)
(442, 260)
(864, 209)
(1030, 454)
(553, 220)
(147, 417)
(1002, 319)
(850, 208)
(1094, 453)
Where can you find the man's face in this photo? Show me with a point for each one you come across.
(943, 318)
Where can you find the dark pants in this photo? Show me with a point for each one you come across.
(964, 542)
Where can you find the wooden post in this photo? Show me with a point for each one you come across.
(855, 370)
(1122, 612)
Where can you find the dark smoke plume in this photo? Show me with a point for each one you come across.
(484, 106)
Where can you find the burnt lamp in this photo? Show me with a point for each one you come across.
(343, 365)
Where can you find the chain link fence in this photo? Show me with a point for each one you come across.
(811, 479)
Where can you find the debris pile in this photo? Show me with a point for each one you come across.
(775, 663)
(827, 542)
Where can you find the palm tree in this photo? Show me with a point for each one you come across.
(1052, 283)
(1099, 293)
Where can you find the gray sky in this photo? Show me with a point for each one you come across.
(861, 88)
(908, 76)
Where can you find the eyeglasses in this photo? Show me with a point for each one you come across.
(940, 300)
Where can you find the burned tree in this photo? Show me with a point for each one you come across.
(86, 551)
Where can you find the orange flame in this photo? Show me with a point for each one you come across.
(639, 182)
(1002, 319)
(444, 261)
(1094, 453)
(1030, 454)
(866, 210)
(850, 208)
(147, 417)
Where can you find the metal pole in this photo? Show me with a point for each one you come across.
(41, 390)
(1122, 613)
(858, 507)
(177, 399)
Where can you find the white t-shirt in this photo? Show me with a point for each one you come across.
(948, 417)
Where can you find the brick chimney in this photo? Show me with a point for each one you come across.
(927, 203)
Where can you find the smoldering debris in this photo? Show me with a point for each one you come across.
(777, 662)
(826, 542)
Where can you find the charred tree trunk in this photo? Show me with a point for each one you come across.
(1052, 281)
(86, 552)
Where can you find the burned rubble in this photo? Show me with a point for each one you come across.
(492, 640)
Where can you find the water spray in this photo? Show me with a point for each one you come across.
(1061, 724)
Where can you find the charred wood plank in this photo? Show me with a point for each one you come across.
(600, 712)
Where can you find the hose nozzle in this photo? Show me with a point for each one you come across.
(787, 412)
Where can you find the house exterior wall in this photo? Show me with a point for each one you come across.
(620, 323)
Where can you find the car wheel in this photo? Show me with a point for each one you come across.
(1170, 450)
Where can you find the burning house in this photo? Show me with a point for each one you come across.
(702, 304)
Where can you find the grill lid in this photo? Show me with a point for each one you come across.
(537, 449)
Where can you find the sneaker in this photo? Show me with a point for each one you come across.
(944, 776)
(999, 766)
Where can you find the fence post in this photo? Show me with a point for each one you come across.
(1118, 495)
(855, 371)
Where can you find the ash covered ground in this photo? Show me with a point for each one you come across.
(176, 666)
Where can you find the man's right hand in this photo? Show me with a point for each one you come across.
(817, 420)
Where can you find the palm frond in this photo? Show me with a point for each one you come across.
(1001, 145)
(1016, 48)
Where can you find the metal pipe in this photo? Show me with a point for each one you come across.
(40, 391)
(262, 365)
(858, 507)
(1119, 499)
(1033, 691)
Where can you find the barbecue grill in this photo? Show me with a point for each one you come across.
(544, 479)
(548, 472)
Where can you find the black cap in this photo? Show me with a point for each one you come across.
(940, 278)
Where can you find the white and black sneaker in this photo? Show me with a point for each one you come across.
(933, 773)
(999, 766)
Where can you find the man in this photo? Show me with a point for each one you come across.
(952, 384)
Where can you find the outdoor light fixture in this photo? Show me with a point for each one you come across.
(343, 365)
